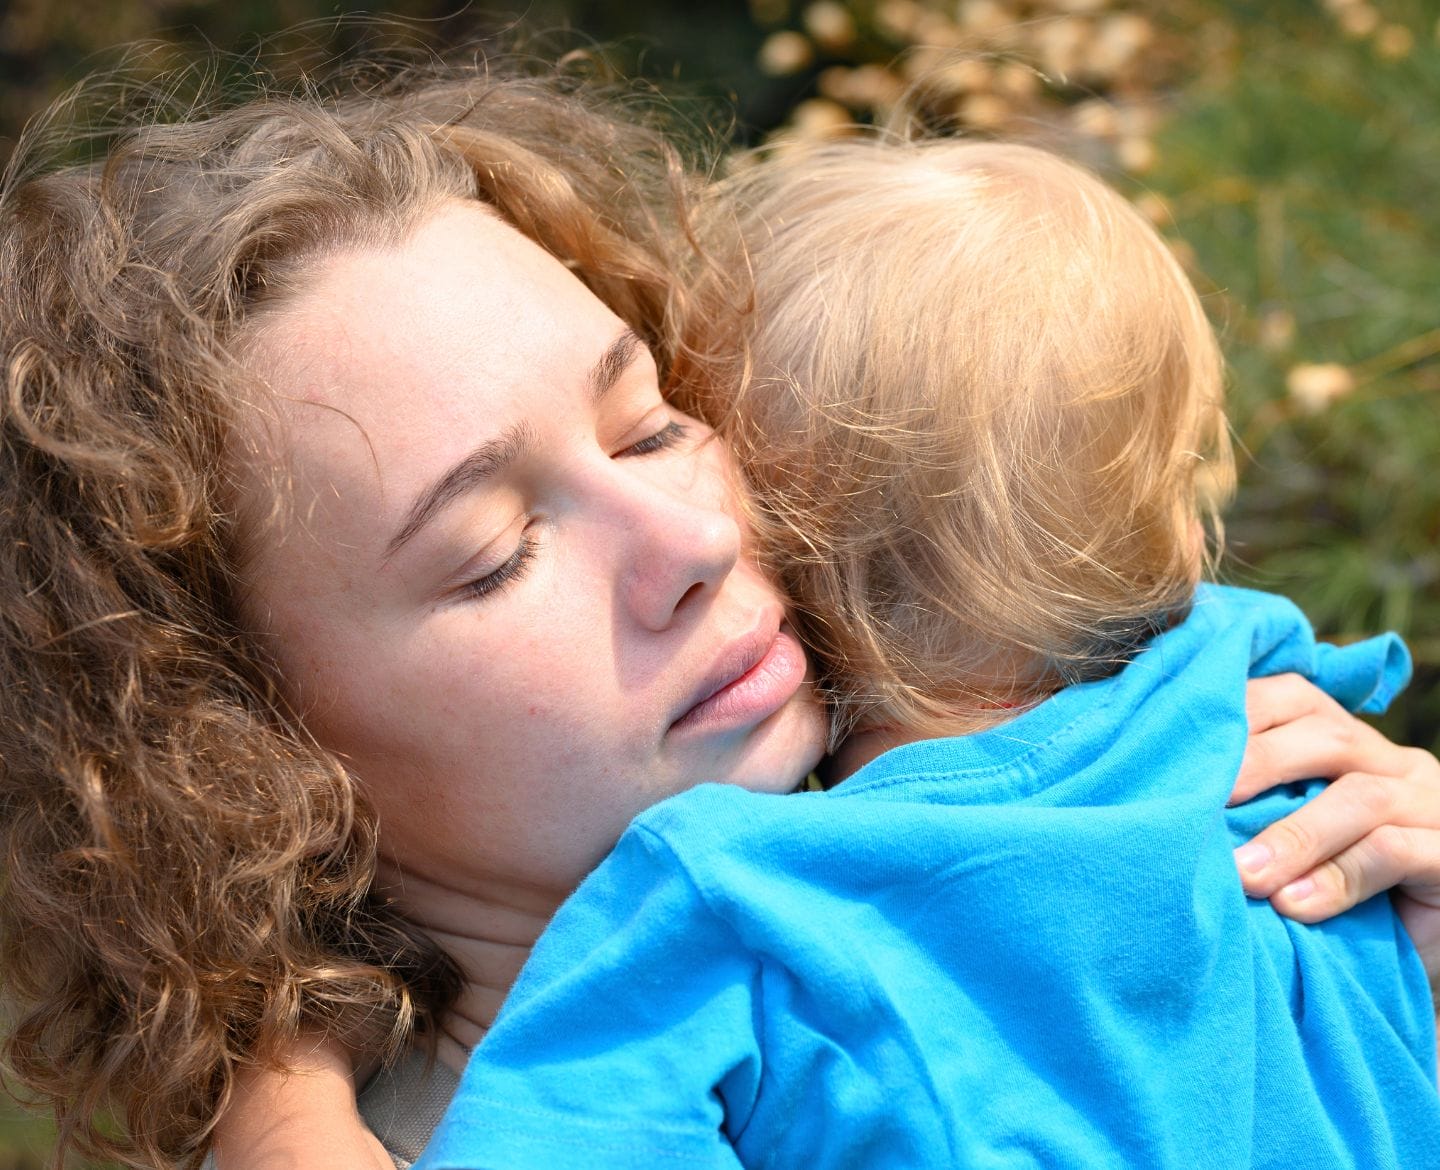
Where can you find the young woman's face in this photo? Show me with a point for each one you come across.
(513, 591)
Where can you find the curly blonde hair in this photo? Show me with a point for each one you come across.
(187, 875)
(981, 407)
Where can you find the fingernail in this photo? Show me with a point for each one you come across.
(1300, 889)
(1253, 857)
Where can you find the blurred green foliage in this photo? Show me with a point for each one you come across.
(1303, 168)
(1290, 148)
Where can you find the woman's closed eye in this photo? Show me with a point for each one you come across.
(515, 565)
(512, 570)
(667, 436)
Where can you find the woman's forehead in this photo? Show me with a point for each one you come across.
(439, 329)
(394, 361)
(465, 294)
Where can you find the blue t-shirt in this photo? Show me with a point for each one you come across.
(1026, 947)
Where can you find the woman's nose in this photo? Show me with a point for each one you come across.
(680, 547)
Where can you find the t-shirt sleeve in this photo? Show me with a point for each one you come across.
(1362, 676)
(1366, 676)
(628, 1041)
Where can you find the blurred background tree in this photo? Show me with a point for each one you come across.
(1290, 149)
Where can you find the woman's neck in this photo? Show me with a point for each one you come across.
(489, 938)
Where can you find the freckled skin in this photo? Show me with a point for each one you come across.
(506, 739)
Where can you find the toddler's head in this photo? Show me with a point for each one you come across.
(982, 415)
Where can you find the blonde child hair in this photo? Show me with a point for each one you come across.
(982, 415)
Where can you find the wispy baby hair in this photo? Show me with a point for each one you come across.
(983, 417)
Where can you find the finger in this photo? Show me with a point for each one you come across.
(1283, 698)
(1273, 704)
(1323, 744)
(1352, 808)
(1376, 862)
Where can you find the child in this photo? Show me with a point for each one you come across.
(985, 427)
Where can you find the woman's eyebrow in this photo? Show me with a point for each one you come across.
(618, 357)
(494, 455)
(483, 463)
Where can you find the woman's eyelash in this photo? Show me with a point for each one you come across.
(512, 570)
(666, 436)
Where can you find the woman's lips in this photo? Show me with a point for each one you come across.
(754, 694)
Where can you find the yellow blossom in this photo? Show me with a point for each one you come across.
(830, 24)
(1359, 20)
(1394, 42)
(785, 52)
(1314, 386)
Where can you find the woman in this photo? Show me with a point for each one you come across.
(325, 478)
